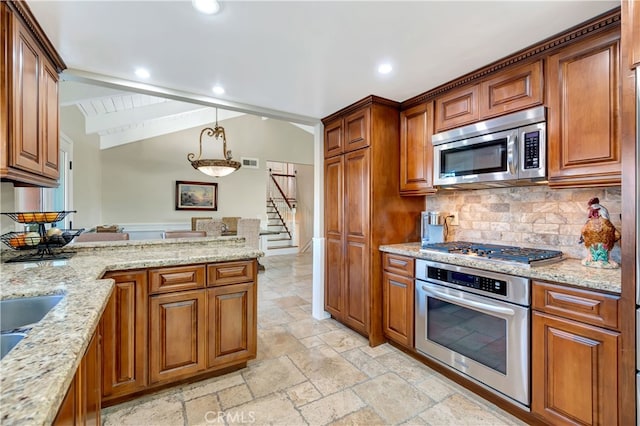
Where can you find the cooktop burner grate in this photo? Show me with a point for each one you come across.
(511, 254)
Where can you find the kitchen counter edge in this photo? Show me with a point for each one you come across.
(567, 271)
(38, 371)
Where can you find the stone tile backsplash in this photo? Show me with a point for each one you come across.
(528, 216)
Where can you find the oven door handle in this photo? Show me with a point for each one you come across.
(478, 306)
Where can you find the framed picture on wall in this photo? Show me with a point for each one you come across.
(196, 195)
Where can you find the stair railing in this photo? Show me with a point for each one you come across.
(283, 187)
(281, 195)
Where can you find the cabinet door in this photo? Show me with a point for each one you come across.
(69, 409)
(416, 150)
(333, 139)
(26, 152)
(398, 302)
(124, 335)
(177, 333)
(356, 130)
(49, 113)
(231, 324)
(356, 226)
(93, 373)
(631, 16)
(574, 374)
(334, 235)
(584, 113)
(81, 404)
(457, 107)
(512, 90)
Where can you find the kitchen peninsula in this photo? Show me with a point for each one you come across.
(38, 371)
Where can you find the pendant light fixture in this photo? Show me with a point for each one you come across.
(218, 167)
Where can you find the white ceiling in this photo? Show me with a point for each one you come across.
(308, 57)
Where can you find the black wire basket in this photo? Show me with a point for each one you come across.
(38, 241)
(38, 217)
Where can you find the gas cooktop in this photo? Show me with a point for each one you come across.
(508, 254)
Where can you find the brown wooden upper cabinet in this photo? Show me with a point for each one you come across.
(416, 151)
(584, 113)
(28, 100)
(456, 108)
(512, 89)
(631, 15)
(347, 133)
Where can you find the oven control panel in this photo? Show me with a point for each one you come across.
(489, 285)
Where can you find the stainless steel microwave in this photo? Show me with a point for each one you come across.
(503, 151)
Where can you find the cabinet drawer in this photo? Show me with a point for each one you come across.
(400, 265)
(176, 278)
(231, 272)
(586, 306)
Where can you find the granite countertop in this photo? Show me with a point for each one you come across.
(36, 374)
(567, 271)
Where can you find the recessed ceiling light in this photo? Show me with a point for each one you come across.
(142, 73)
(218, 90)
(208, 7)
(385, 68)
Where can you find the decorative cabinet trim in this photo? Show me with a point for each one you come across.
(22, 9)
(602, 23)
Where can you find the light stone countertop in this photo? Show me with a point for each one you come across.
(567, 271)
(36, 374)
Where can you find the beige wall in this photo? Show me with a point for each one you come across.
(87, 176)
(135, 183)
(532, 216)
(7, 204)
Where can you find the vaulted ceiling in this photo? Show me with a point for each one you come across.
(119, 117)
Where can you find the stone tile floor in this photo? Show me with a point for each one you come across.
(311, 372)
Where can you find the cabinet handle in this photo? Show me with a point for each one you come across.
(397, 284)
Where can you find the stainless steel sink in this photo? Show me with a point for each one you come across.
(22, 312)
(8, 341)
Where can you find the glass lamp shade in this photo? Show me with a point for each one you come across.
(216, 168)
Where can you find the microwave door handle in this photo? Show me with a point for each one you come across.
(512, 140)
(478, 306)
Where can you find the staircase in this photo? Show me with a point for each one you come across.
(281, 212)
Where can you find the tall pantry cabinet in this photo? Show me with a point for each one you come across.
(363, 210)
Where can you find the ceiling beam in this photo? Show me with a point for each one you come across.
(178, 95)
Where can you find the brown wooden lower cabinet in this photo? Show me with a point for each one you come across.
(177, 331)
(164, 325)
(81, 404)
(232, 324)
(398, 298)
(574, 364)
(124, 330)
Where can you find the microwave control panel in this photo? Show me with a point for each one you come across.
(532, 150)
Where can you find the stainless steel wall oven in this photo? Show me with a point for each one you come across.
(476, 322)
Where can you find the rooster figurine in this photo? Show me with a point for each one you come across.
(598, 235)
